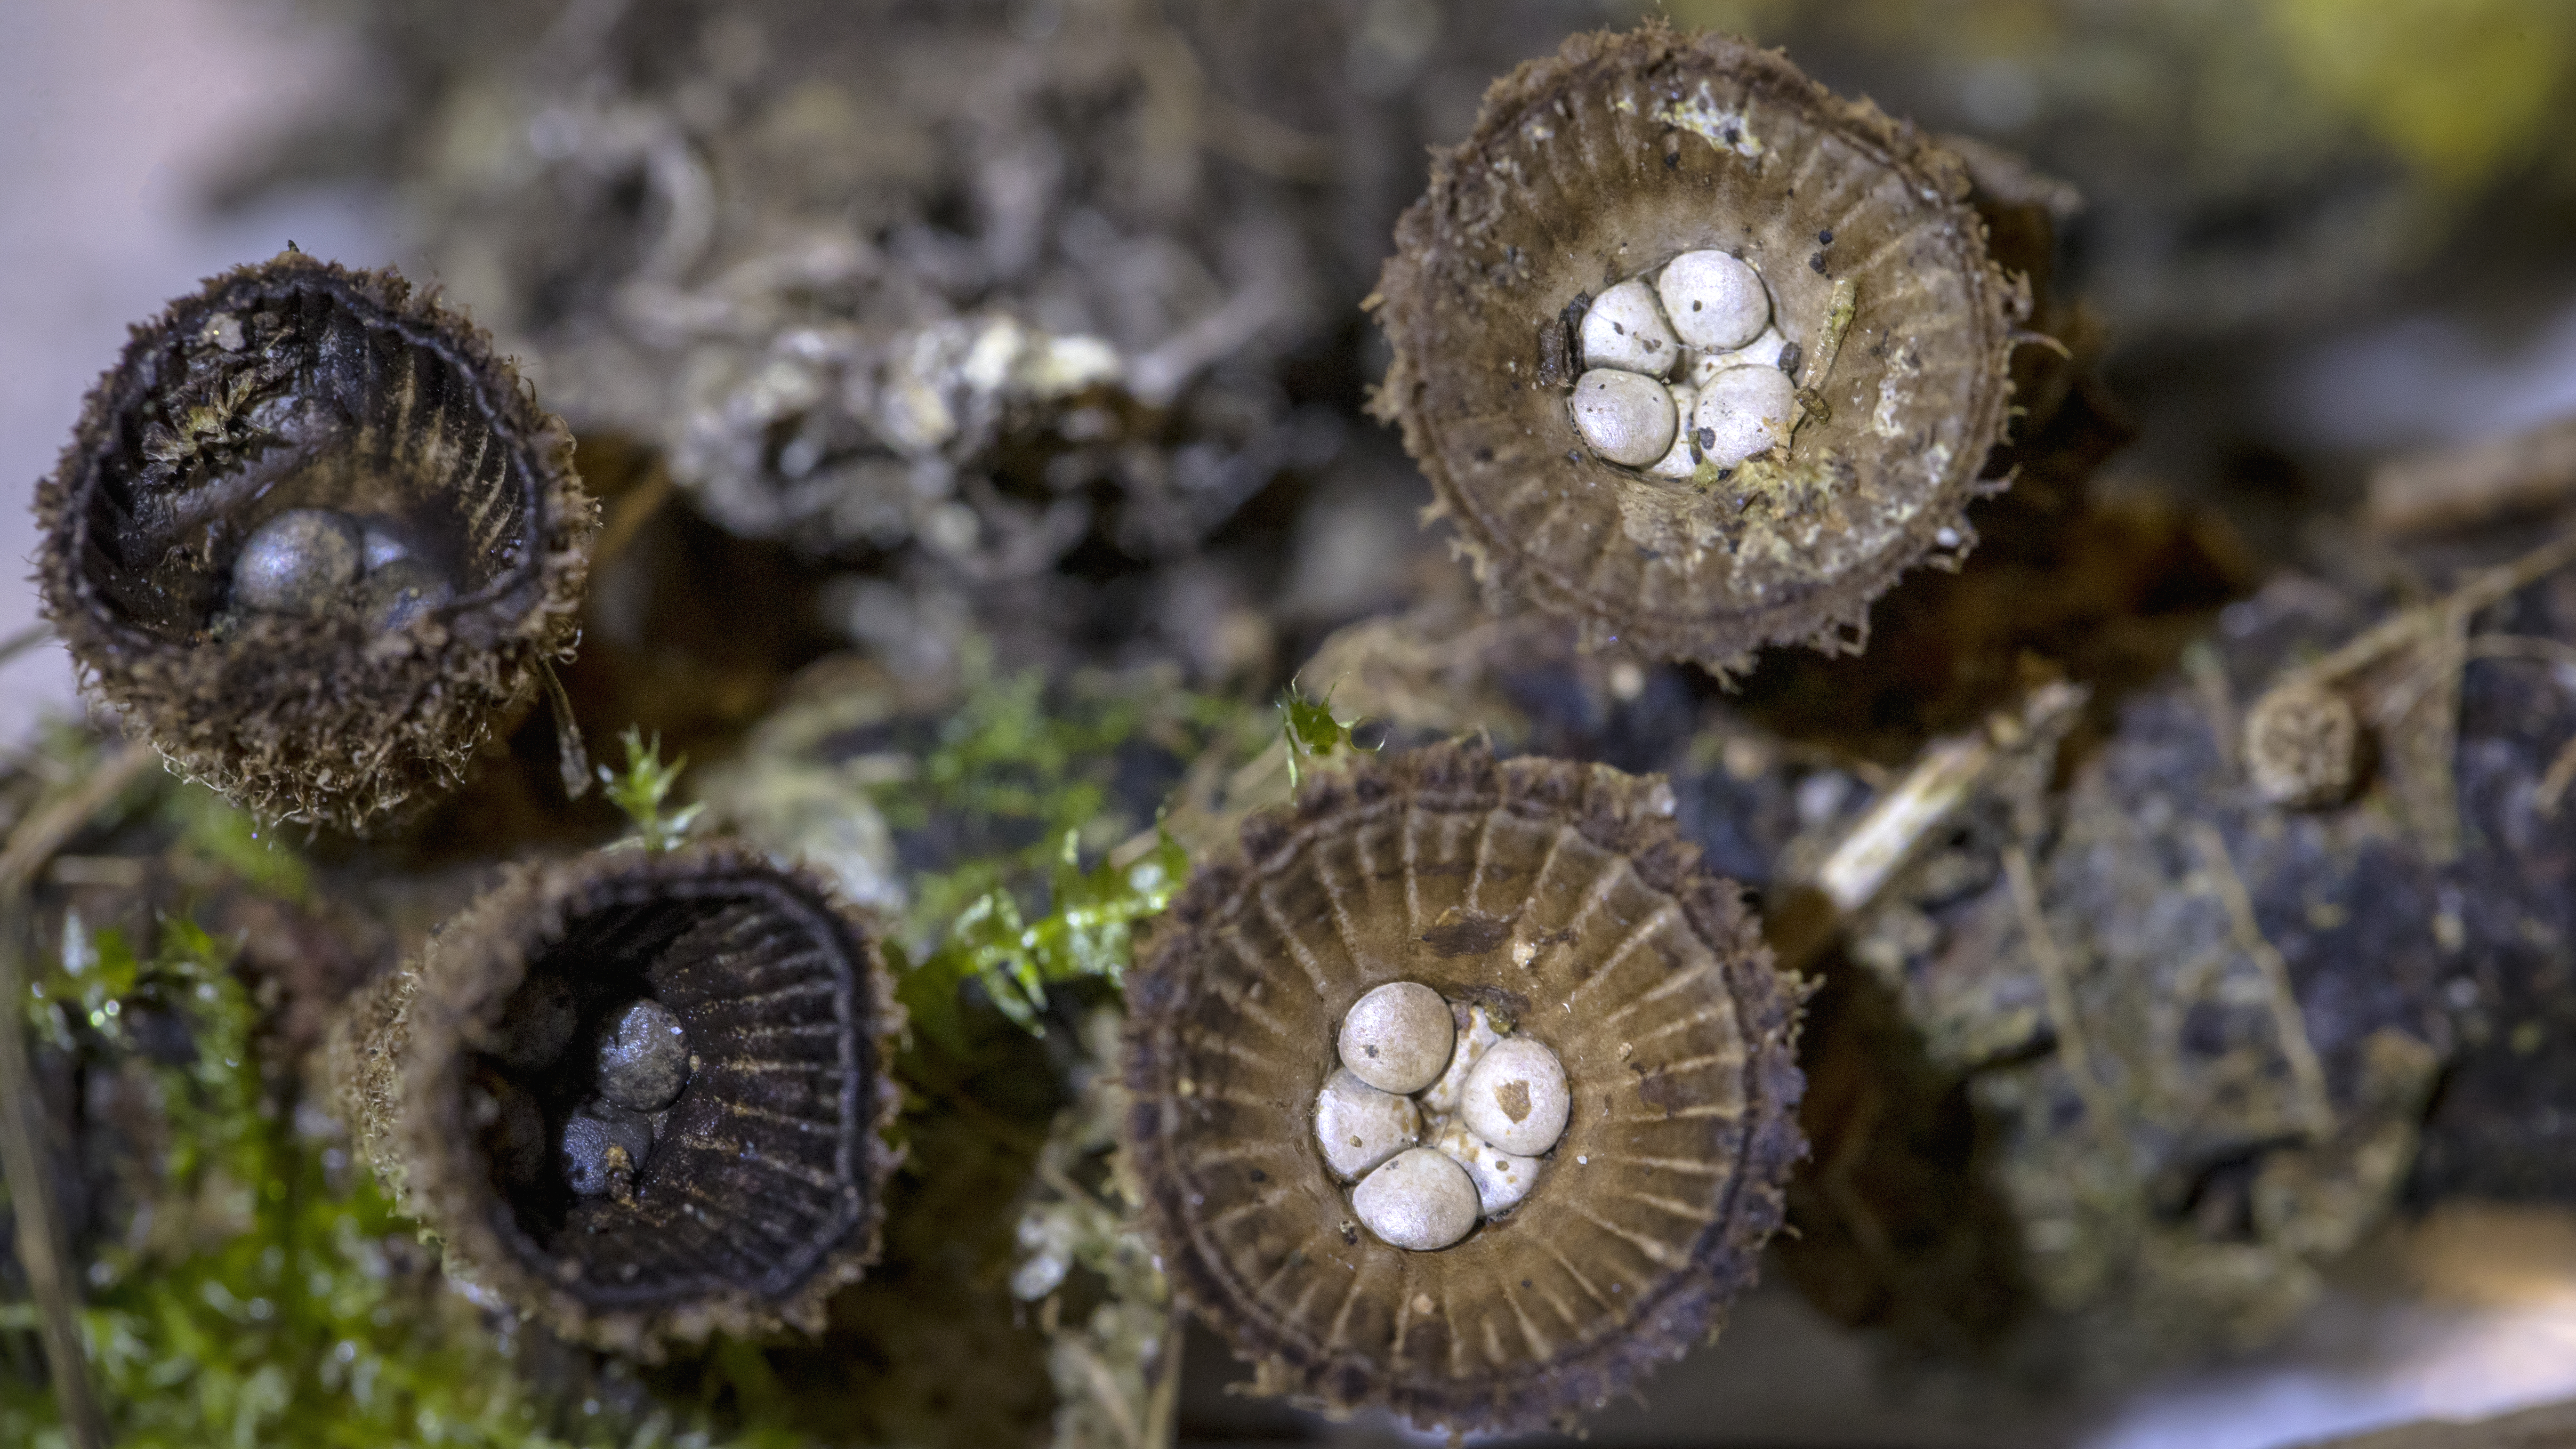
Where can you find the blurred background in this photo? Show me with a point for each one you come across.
(2306, 236)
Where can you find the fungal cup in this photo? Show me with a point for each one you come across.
(1607, 993)
(315, 539)
(1758, 220)
(641, 1096)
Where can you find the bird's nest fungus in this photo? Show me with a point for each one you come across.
(1576, 964)
(315, 540)
(1693, 351)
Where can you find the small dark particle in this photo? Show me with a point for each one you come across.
(1708, 437)
(1725, 473)
(1825, 237)
(1260, 1176)
(1615, 327)
(1732, 135)
(1816, 263)
(1790, 357)
(1672, 159)
(1572, 456)
(1484, 455)
(1472, 934)
(1565, 347)
(1556, 361)
(1525, 1282)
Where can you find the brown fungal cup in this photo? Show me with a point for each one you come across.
(2302, 745)
(1606, 163)
(296, 390)
(474, 1076)
(1559, 898)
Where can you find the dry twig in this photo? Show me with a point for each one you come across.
(2289, 1021)
(43, 1251)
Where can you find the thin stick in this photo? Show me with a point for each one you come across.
(2288, 1019)
(2060, 989)
(2473, 595)
(1105, 1389)
(1163, 1399)
(42, 1249)
(2413, 687)
(43, 832)
(628, 515)
(570, 757)
(24, 640)
(2553, 786)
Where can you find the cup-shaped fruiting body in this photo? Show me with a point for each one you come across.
(1702, 190)
(1550, 904)
(641, 1096)
(314, 540)
(2302, 745)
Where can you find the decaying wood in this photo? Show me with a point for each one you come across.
(2463, 487)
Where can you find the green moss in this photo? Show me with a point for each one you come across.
(643, 788)
(1006, 757)
(263, 1300)
(1310, 731)
(1087, 931)
(212, 828)
(1012, 762)
(2463, 89)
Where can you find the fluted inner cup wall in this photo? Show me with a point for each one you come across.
(1694, 352)
(727, 1191)
(638, 1095)
(318, 402)
(316, 540)
(1556, 905)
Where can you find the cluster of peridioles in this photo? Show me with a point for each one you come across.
(640, 1095)
(1418, 1067)
(317, 560)
(1684, 368)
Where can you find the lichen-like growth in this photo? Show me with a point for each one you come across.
(1560, 899)
(741, 1205)
(1599, 165)
(298, 385)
